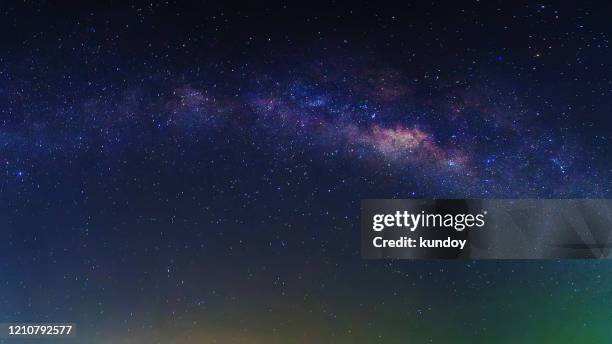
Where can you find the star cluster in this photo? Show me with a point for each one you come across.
(188, 173)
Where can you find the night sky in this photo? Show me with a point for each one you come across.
(192, 172)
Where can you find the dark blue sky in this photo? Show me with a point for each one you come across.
(183, 172)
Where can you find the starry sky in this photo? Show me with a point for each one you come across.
(182, 172)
